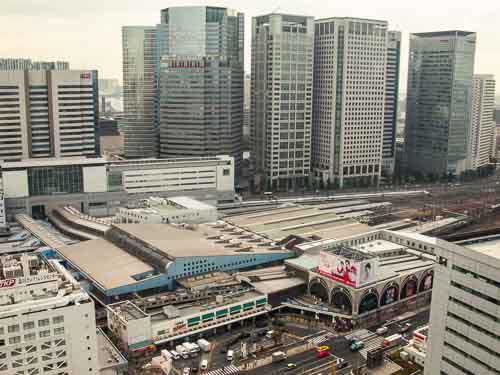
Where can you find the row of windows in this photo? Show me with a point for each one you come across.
(478, 311)
(30, 325)
(475, 293)
(474, 359)
(477, 276)
(473, 342)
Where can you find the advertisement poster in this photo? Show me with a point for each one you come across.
(347, 271)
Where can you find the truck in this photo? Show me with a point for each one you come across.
(279, 356)
(191, 348)
(392, 341)
(204, 345)
(166, 354)
(181, 349)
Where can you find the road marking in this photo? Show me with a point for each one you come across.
(372, 343)
(227, 370)
(322, 338)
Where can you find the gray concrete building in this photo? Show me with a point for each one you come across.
(200, 82)
(354, 107)
(438, 116)
(139, 91)
(281, 109)
(464, 326)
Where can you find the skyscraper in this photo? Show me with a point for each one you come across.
(350, 97)
(391, 101)
(281, 110)
(139, 91)
(464, 322)
(483, 138)
(438, 115)
(200, 82)
(28, 64)
(48, 114)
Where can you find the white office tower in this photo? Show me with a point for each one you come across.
(47, 323)
(349, 100)
(281, 96)
(48, 113)
(464, 325)
(483, 138)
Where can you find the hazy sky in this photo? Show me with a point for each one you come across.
(87, 33)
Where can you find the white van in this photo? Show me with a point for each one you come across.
(204, 365)
(230, 354)
(269, 334)
(382, 330)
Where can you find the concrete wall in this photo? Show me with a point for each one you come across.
(95, 179)
(15, 184)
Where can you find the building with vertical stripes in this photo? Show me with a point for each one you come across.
(48, 113)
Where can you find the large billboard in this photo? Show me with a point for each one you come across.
(347, 271)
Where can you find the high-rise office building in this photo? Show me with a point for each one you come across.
(483, 138)
(139, 91)
(48, 114)
(28, 64)
(247, 100)
(200, 82)
(350, 94)
(391, 102)
(438, 115)
(281, 110)
(464, 323)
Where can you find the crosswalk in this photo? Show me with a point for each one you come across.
(321, 338)
(227, 370)
(371, 343)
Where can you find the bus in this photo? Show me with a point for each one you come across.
(391, 341)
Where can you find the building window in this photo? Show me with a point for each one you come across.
(226, 172)
(13, 328)
(45, 333)
(15, 340)
(52, 180)
(58, 319)
(28, 325)
(59, 331)
(43, 322)
(30, 336)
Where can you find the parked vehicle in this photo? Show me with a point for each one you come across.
(279, 356)
(182, 351)
(191, 348)
(291, 366)
(204, 345)
(186, 371)
(269, 334)
(166, 354)
(405, 328)
(229, 355)
(382, 330)
(174, 354)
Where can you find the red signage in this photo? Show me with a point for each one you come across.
(85, 76)
(7, 283)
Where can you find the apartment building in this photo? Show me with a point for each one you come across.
(48, 113)
(281, 99)
(12, 63)
(353, 106)
(483, 138)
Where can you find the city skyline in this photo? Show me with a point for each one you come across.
(104, 53)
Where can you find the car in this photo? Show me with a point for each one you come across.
(405, 327)
(186, 371)
(204, 365)
(322, 348)
(291, 366)
(322, 354)
(341, 363)
(356, 345)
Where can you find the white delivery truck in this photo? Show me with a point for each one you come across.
(191, 348)
(230, 355)
(175, 355)
(204, 345)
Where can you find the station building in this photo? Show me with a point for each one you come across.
(368, 277)
(139, 257)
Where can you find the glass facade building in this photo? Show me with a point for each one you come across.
(139, 91)
(438, 115)
(67, 179)
(200, 76)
